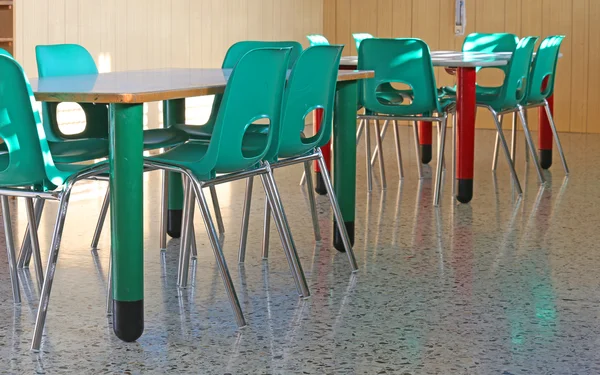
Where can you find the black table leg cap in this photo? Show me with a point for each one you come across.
(128, 319)
(426, 154)
(546, 159)
(320, 184)
(174, 223)
(465, 190)
(338, 243)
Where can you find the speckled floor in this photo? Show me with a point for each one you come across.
(494, 287)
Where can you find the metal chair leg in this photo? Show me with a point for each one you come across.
(10, 250)
(513, 172)
(164, 208)
(380, 148)
(513, 140)
(35, 243)
(50, 270)
(454, 154)
(245, 220)
(110, 287)
(313, 205)
(25, 252)
(284, 231)
(215, 202)
(417, 149)
(368, 155)
(531, 146)
(440, 163)
(496, 145)
(266, 231)
(382, 135)
(556, 138)
(185, 246)
(220, 258)
(101, 219)
(398, 149)
(339, 219)
(526, 153)
(361, 127)
(439, 140)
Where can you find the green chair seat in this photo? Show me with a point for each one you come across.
(204, 132)
(73, 151)
(163, 138)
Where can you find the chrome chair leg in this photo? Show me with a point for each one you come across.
(439, 143)
(101, 219)
(284, 230)
(10, 250)
(245, 220)
(164, 207)
(513, 140)
(35, 243)
(556, 138)
(110, 287)
(25, 252)
(303, 179)
(368, 155)
(398, 149)
(266, 231)
(526, 153)
(338, 216)
(313, 204)
(496, 145)
(531, 146)
(185, 246)
(361, 127)
(417, 149)
(50, 269)
(215, 202)
(454, 130)
(513, 172)
(380, 153)
(382, 135)
(196, 188)
(440, 164)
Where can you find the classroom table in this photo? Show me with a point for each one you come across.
(125, 93)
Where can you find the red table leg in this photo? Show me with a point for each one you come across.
(545, 136)
(465, 140)
(425, 141)
(326, 150)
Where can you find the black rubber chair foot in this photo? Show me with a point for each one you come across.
(130, 323)
(464, 190)
(338, 243)
(174, 218)
(426, 154)
(546, 159)
(320, 184)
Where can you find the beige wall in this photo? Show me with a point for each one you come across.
(146, 34)
(432, 20)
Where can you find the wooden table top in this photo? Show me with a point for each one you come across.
(144, 85)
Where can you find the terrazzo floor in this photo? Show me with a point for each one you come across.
(499, 286)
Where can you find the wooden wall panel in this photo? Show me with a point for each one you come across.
(433, 21)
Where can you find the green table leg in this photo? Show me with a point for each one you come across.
(174, 113)
(344, 157)
(126, 209)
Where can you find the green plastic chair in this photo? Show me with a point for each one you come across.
(311, 86)
(254, 92)
(29, 171)
(408, 62)
(359, 37)
(540, 86)
(73, 59)
(317, 40)
(508, 99)
(233, 55)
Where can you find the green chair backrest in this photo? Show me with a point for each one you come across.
(490, 43)
(67, 60)
(30, 162)
(237, 51)
(4, 52)
(543, 69)
(317, 40)
(254, 91)
(311, 86)
(359, 37)
(406, 61)
(515, 84)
